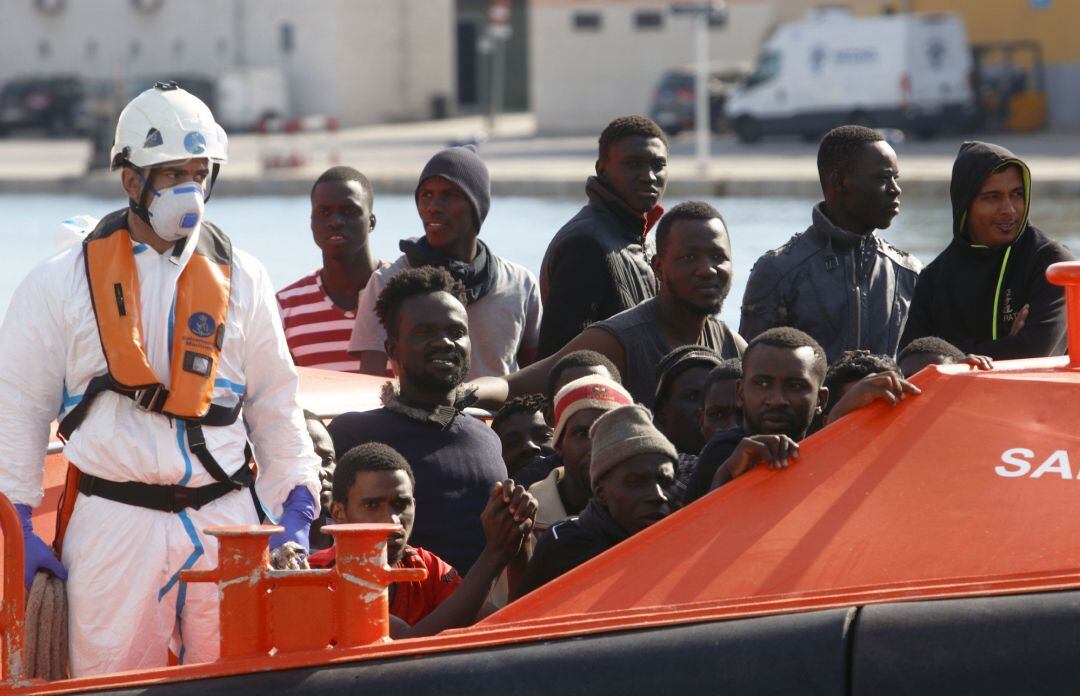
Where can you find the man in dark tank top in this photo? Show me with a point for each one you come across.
(693, 272)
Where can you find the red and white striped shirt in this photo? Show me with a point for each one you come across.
(316, 329)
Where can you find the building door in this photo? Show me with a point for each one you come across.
(468, 54)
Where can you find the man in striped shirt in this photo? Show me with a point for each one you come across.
(318, 311)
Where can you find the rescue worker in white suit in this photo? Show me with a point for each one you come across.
(148, 339)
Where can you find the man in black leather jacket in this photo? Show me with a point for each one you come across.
(839, 281)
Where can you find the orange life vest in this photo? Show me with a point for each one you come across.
(202, 300)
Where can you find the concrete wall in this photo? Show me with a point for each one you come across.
(427, 54)
(107, 38)
(311, 66)
(581, 79)
(394, 57)
(364, 61)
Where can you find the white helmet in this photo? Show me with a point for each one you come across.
(164, 124)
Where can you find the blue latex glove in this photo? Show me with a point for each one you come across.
(296, 517)
(37, 554)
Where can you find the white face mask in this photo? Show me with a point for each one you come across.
(176, 212)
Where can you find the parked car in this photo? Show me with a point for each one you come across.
(53, 104)
(673, 105)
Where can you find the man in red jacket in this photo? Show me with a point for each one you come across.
(374, 484)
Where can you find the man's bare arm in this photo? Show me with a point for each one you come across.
(507, 520)
(533, 379)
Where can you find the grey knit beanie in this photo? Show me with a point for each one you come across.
(462, 166)
(623, 433)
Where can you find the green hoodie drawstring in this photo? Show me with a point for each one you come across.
(997, 291)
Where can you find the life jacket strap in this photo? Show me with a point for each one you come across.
(153, 399)
(150, 399)
(197, 444)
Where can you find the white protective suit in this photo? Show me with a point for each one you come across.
(126, 603)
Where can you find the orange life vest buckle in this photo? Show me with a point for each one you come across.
(149, 399)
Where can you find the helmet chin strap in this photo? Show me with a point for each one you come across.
(213, 177)
(140, 207)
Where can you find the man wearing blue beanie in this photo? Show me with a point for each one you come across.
(453, 197)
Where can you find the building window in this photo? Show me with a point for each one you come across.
(648, 20)
(288, 40)
(91, 49)
(587, 21)
(44, 49)
(147, 5)
(49, 6)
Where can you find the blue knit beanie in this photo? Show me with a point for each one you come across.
(462, 166)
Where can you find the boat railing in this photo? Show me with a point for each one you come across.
(13, 604)
(1067, 274)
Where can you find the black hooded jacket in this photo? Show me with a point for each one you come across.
(970, 294)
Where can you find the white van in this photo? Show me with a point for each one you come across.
(910, 71)
(249, 96)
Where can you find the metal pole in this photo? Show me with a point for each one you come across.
(239, 24)
(498, 72)
(486, 49)
(701, 92)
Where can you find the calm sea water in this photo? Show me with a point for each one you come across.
(276, 229)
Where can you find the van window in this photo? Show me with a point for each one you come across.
(767, 68)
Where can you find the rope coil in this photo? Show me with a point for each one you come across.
(46, 654)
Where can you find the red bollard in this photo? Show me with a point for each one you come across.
(258, 603)
(1067, 274)
(242, 564)
(362, 603)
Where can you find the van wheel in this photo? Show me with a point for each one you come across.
(747, 129)
(860, 118)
